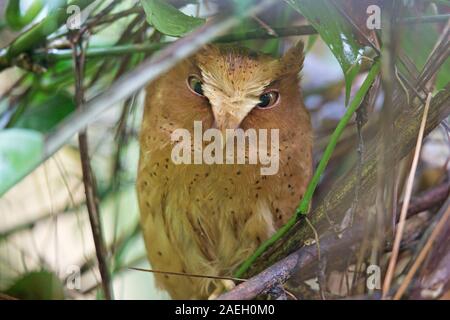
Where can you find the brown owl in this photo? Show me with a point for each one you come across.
(200, 218)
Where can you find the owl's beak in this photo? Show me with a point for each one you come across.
(226, 121)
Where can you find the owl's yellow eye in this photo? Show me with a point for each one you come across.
(195, 85)
(268, 99)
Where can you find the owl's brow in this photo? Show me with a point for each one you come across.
(273, 83)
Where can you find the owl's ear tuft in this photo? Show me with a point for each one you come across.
(292, 60)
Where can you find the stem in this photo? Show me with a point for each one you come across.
(426, 19)
(89, 178)
(305, 203)
(18, 21)
(53, 55)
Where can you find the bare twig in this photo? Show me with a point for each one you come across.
(423, 253)
(429, 198)
(191, 275)
(89, 179)
(408, 191)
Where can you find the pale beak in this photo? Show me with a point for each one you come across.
(224, 122)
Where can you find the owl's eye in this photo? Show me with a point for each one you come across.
(268, 99)
(196, 85)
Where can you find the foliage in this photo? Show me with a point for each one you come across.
(168, 20)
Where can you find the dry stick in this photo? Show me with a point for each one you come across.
(429, 198)
(423, 254)
(191, 275)
(408, 191)
(89, 180)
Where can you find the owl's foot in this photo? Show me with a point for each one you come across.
(224, 285)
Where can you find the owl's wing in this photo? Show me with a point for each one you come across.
(162, 252)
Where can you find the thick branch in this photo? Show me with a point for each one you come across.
(429, 198)
(339, 198)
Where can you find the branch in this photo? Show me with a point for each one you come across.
(337, 200)
(53, 55)
(436, 233)
(330, 245)
(428, 199)
(281, 271)
(90, 188)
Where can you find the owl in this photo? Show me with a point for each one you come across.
(206, 219)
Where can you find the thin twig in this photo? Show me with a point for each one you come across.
(429, 199)
(423, 254)
(408, 191)
(89, 179)
(191, 275)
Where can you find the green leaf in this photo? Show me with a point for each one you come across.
(14, 16)
(169, 20)
(44, 112)
(443, 76)
(428, 34)
(20, 151)
(337, 34)
(40, 285)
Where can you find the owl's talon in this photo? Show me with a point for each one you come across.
(224, 285)
(228, 284)
(214, 296)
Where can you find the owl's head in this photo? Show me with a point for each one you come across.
(228, 87)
